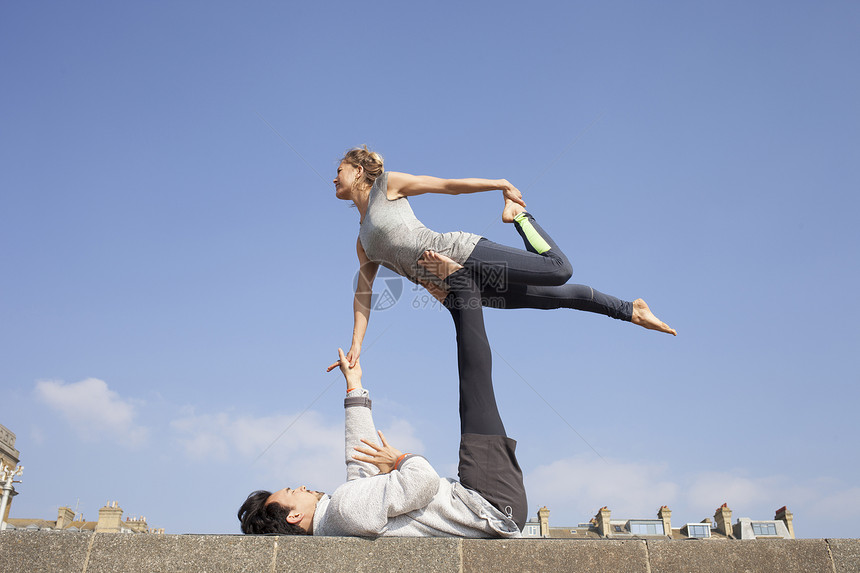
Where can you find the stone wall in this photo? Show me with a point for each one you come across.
(61, 552)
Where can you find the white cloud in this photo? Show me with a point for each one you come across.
(707, 491)
(844, 503)
(575, 488)
(93, 411)
(401, 435)
(299, 449)
(582, 485)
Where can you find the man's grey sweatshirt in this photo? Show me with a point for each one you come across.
(410, 501)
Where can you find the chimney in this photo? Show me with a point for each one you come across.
(110, 519)
(782, 514)
(602, 518)
(665, 514)
(65, 516)
(723, 520)
(543, 519)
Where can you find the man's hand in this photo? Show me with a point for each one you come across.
(351, 375)
(384, 457)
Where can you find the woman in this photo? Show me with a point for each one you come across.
(391, 235)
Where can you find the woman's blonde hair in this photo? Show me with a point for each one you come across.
(368, 160)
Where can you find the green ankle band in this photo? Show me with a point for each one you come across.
(532, 236)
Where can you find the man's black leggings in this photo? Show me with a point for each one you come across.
(488, 463)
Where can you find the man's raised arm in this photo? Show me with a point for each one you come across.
(396, 483)
(358, 419)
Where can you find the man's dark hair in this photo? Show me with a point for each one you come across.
(258, 517)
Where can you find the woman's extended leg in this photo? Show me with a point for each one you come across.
(577, 297)
(573, 296)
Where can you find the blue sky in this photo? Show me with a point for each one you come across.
(177, 272)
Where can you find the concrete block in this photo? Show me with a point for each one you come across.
(541, 555)
(43, 551)
(759, 556)
(64, 552)
(338, 554)
(846, 554)
(113, 552)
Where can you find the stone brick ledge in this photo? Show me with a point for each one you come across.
(62, 552)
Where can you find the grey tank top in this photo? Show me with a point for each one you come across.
(393, 237)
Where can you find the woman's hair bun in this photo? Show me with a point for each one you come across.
(370, 161)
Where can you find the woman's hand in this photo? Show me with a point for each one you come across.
(512, 193)
(351, 359)
(385, 457)
(353, 354)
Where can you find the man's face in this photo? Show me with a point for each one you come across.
(299, 501)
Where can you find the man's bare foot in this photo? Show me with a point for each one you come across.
(434, 290)
(439, 265)
(643, 316)
(511, 210)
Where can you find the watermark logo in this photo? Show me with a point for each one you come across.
(387, 288)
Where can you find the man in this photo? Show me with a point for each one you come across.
(388, 493)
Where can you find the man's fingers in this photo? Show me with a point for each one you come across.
(382, 437)
(339, 361)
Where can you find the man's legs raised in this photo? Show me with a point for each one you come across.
(488, 463)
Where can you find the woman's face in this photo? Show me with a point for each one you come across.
(344, 181)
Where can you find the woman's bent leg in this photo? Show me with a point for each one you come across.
(494, 265)
(535, 239)
(542, 263)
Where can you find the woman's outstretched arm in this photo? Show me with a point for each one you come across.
(360, 304)
(406, 185)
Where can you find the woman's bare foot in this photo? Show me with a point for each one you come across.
(439, 265)
(643, 316)
(511, 210)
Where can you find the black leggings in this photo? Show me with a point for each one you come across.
(479, 413)
(488, 463)
(534, 278)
